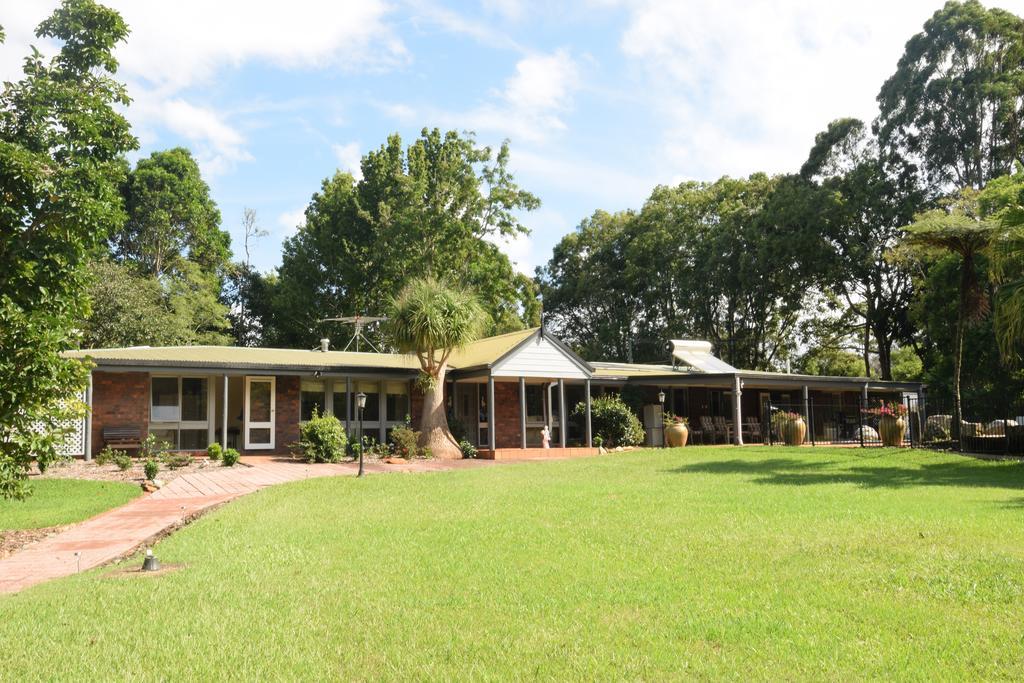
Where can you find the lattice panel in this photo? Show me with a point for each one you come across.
(74, 441)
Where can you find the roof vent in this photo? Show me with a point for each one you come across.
(325, 344)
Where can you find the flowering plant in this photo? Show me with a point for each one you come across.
(888, 409)
(669, 419)
(781, 417)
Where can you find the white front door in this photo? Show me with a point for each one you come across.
(259, 413)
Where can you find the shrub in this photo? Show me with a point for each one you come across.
(404, 441)
(229, 458)
(122, 460)
(151, 467)
(151, 448)
(175, 460)
(107, 455)
(613, 421)
(598, 441)
(468, 450)
(321, 439)
(214, 451)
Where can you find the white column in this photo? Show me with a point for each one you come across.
(492, 439)
(224, 417)
(382, 412)
(590, 435)
(807, 411)
(547, 409)
(562, 422)
(348, 405)
(522, 412)
(864, 394)
(737, 413)
(88, 419)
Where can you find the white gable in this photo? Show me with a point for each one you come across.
(539, 357)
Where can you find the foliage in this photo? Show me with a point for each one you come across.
(321, 438)
(171, 218)
(214, 451)
(1003, 199)
(175, 459)
(122, 460)
(433, 208)
(108, 456)
(61, 142)
(612, 420)
(469, 451)
(151, 468)
(682, 267)
(780, 418)
(953, 106)
(887, 409)
(152, 447)
(404, 442)
(854, 204)
(670, 420)
(825, 360)
(230, 457)
(598, 441)
(906, 365)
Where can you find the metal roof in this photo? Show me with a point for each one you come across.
(479, 353)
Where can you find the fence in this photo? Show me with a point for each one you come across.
(927, 423)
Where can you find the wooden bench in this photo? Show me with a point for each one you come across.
(122, 437)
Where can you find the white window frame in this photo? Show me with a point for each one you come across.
(247, 425)
(179, 424)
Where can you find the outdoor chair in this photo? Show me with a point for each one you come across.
(723, 428)
(752, 429)
(708, 428)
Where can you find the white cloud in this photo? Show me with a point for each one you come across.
(291, 221)
(349, 157)
(177, 45)
(744, 86)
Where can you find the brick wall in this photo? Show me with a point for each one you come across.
(119, 399)
(286, 413)
(506, 415)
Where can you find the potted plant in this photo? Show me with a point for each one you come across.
(676, 430)
(790, 426)
(891, 423)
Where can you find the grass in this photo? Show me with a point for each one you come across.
(755, 563)
(63, 501)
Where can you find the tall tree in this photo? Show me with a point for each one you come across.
(61, 143)
(960, 228)
(955, 104)
(858, 205)
(433, 208)
(245, 286)
(171, 218)
(432, 319)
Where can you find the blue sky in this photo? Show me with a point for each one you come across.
(601, 99)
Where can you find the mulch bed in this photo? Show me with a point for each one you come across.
(80, 469)
(14, 540)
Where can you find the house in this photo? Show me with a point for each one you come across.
(501, 392)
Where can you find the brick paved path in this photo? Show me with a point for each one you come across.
(120, 531)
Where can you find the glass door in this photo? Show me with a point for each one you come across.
(259, 413)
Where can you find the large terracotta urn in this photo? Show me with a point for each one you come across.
(794, 431)
(676, 435)
(891, 428)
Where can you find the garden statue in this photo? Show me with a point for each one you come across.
(545, 437)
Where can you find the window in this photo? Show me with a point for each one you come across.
(535, 403)
(312, 396)
(397, 397)
(180, 411)
(372, 390)
(164, 400)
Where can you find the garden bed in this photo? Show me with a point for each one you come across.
(90, 470)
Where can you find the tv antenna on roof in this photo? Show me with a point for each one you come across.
(358, 322)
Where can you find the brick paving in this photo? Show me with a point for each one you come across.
(120, 531)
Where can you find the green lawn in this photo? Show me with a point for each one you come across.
(63, 501)
(750, 563)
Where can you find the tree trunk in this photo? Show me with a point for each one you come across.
(434, 432)
(958, 345)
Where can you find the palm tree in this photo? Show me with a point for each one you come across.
(431, 319)
(958, 227)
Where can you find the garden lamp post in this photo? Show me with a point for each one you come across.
(661, 401)
(360, 404)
